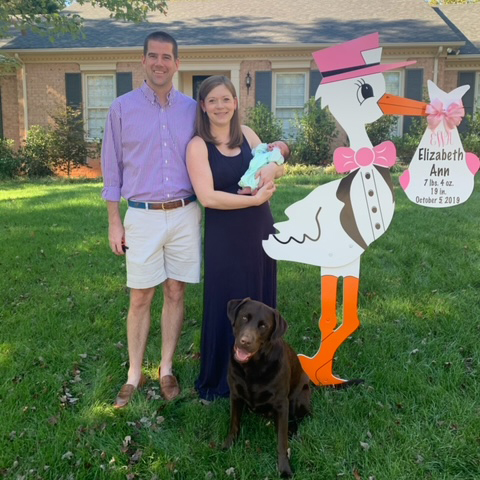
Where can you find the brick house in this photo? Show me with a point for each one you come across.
(265, 51)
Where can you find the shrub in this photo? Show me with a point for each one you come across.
(264, 123)
(408, 143)
(382, 129)
(471, 137)
(10, 161)
(315, 131)
(37, 157)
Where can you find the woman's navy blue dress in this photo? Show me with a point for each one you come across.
(235, 266)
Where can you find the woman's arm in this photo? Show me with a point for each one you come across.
(202, 181)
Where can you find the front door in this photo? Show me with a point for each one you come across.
(197, 80)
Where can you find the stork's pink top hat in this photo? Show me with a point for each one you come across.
(351, 59)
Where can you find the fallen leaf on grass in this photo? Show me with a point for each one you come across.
(135, 458)
(230, 471)
(53, 420)
(364, 445)
(127, 441)
(356, 474)
(67, 456)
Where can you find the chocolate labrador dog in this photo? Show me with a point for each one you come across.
(265, 374)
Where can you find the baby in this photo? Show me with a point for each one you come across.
(263, 154)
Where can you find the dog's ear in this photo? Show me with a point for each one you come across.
(280, 326)
(233, 306)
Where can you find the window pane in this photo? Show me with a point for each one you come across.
(290, 90)
(392, 85)
(100, 95)
(100, 90)
(96, 122)
(392, 81)
(289, 99)
(287, 116)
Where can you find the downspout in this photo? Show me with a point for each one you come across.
(24, 92)
(435, 64)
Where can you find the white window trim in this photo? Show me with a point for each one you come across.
(306, 73)
(476, 93)
(85, 92)
(401, 87)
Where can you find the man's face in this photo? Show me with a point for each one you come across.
(159, 65)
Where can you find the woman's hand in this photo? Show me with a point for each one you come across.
(265, 193)
(267, 174)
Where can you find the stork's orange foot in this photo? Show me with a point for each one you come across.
(319, 372)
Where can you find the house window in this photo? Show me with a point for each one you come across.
(393, 85)
(100, 93)
(290, 98)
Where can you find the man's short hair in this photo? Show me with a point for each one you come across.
(161, 37)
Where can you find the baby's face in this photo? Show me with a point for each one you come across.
(282, 146)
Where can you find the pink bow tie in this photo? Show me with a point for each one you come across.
(451, 117)
(345, 159)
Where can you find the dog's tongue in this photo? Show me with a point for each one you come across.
(241, 355)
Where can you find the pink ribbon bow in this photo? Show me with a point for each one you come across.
(451, 117)
(346, 159)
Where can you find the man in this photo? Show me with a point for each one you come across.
(143, 160)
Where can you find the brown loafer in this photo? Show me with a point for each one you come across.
(126, 392)
(169, 387)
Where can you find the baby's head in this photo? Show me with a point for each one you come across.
(282, 146)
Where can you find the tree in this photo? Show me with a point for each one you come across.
(47, 17)
(68, 148)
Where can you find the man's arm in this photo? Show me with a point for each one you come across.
(112, 176)
(116, 232)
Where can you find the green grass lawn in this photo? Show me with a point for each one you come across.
(63, 354)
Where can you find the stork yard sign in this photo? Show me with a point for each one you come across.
(333, 225)
(441, 173)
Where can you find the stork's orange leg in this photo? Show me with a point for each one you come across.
(320, 367)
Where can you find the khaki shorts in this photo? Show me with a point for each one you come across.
(163, 244)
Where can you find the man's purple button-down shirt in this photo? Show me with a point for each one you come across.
(144, 147)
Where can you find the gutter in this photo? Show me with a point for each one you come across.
(435, 65)
(227, 47)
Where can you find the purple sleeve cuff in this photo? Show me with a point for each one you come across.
(111, 194)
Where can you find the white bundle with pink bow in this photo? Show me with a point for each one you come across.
(441, 173)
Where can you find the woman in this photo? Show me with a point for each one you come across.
(235, 225)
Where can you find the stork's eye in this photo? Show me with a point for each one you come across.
(364, 91)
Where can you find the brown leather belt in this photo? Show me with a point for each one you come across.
(163, 205)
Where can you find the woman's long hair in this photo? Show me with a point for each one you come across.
(202, 124)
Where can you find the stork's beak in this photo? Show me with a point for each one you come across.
(393, 105)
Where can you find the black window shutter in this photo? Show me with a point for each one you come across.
(73, 90)
(1, 117)
(315, 78)
(124, 83)
(467, 78)
(413, 90)
(263, 88)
